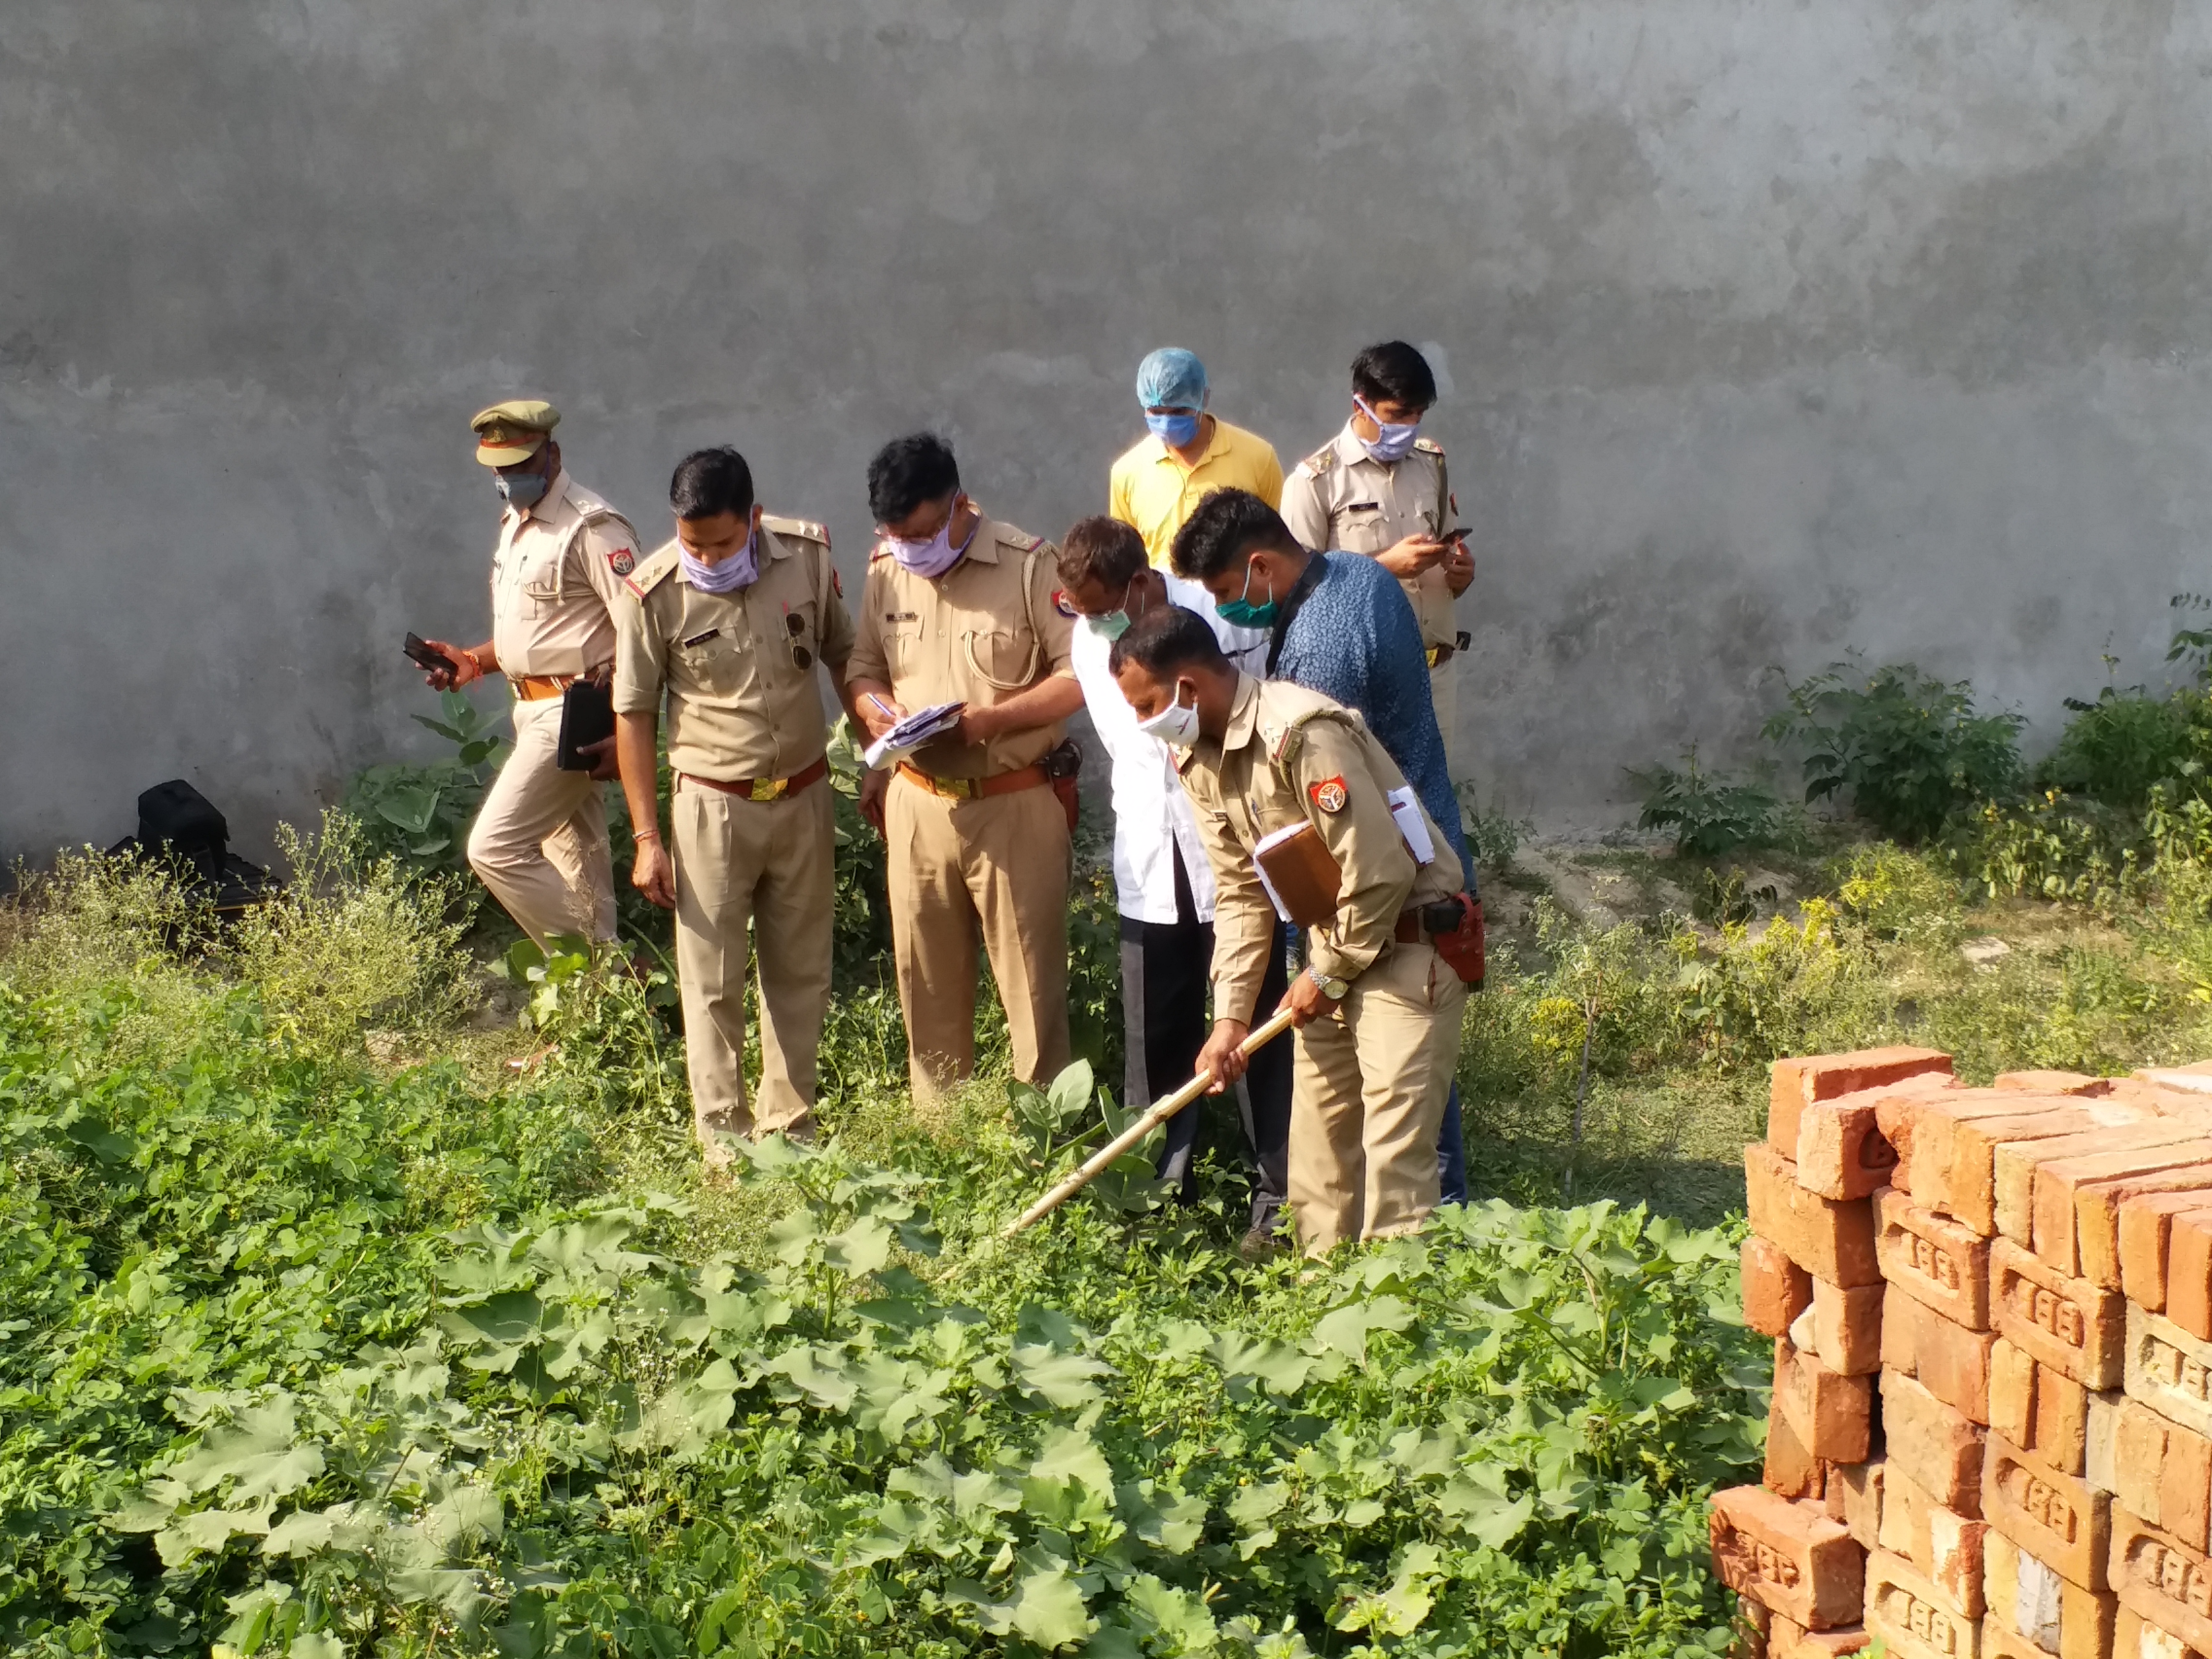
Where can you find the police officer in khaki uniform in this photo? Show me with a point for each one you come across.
(540, 840)
(959, 608)
(1379, 488)
(1378, 1008)
(730, 619)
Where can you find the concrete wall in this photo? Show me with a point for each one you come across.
(1770, 329)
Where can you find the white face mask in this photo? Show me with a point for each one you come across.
(1177, 725)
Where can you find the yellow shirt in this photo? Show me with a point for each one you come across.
(1149, 487)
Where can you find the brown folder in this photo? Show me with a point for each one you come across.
(1300, 874)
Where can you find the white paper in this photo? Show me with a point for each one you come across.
(1405, 807)
(915, 730)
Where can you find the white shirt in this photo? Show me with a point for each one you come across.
(1152, 814)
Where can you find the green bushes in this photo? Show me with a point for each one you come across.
(1712, 815)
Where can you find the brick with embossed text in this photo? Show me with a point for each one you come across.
(2055, 1517)
(2064, 1322)
(1790, 1556)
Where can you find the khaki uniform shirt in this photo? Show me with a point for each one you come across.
(1341, 497)
(745, 699)
(974, 635)
(1291, 755)
(555, 578)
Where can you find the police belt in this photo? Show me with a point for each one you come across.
(1443, 916)
(540, 688)
(765, 788)
(1031, 776)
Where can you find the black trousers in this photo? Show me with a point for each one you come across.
(1166, 971)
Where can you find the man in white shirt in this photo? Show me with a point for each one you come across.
(1163, 885)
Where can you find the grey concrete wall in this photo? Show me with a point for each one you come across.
(1771, 330)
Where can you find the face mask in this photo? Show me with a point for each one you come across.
(1114, 623)
(1176, 431)
(1241, 612)
(520, 488)
(740, 569)
(1177, 725)
(1394, 440)
(934, 558)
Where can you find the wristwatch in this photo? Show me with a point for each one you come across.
(1334, 989)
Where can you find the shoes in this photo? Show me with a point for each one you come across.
(1258, 1244)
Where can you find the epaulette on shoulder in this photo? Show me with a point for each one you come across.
(882, 550)
(1428, 446)
(1321, 460)
(650, 574)
(1280, 727)
(1019, 539)
(805, 530)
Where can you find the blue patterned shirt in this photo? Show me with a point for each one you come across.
(1354, 638)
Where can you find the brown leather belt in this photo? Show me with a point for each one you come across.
(537, 688)
(1440, 654)
(1410, 931)
(765, 788)
(1006, 783)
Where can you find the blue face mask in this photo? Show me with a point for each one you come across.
(1241, 612)
(1392, 440)
(1176, 431)
(520, 488)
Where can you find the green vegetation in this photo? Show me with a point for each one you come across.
(1712, 814)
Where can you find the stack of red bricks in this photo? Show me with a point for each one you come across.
(1992, 1428)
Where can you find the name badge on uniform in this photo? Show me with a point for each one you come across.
(700, 639)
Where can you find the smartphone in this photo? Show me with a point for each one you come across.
(1458, 535)
(419, 653)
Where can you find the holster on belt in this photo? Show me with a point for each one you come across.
(1064, 767)
(1454, 925)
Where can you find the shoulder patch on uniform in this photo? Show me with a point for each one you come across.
(1330, 794)
(1064, 605)
(649, 572)
(624, 559)
(836, 581)
(1428, 446)
(1322, 459)
(805, 529)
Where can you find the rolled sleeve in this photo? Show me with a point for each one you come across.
(640, 658)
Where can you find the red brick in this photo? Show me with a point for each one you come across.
(2169, 1371)
(1941, 1446)
(1944, 1545)
(2097, 1216)
(1788, 1557)
(2053, 1083)
(2146, 1225)
(2139, 1460)
(2068, 1324)
(1829, 1238)
(1951, 1362)
(2069, 1620)
(1841, 1151)
(2061, 1433)
(1859, 1486)
(2189, 1273)
(1790, 1471)
(2185, 1487)
(1907, 1613)
(1794, 1085)
(1847, 1326)
(1935, 1259)
(2161, 1580)
(2135, 1639)
(2053, 1516)
(2059, 1183)
(1776, 1290)
(2015, 1165)
(1824, 1644)
(1970, 1192)
(1920, 1120)
(1829, 1413)
(2012, 1394)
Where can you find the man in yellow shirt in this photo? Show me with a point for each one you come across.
(1185, 455)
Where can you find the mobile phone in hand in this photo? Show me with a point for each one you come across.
(419, 652)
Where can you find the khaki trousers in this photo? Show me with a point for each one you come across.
(539, 842)
(998, 866)
(1443, 692)
(772, 863)
(1367, 1099)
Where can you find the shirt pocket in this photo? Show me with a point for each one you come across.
(716, 665)
(538, 586)
(798, 644)
(1364, 527)
(1007, 657)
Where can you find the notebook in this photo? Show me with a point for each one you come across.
(1301, 875)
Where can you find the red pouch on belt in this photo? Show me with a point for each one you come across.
(1461, 947)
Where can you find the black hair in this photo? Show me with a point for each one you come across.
(1227, 525)
(1164, 639)
(709, 482)
(1102, 550)
(908, 472)
(1394, 372)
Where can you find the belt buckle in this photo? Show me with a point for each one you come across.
(767, 788)
(1430, 654)
(958, 788)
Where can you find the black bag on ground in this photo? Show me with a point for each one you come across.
(178, 823)
(587, 716)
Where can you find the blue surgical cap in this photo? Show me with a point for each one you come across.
(1172, 377)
